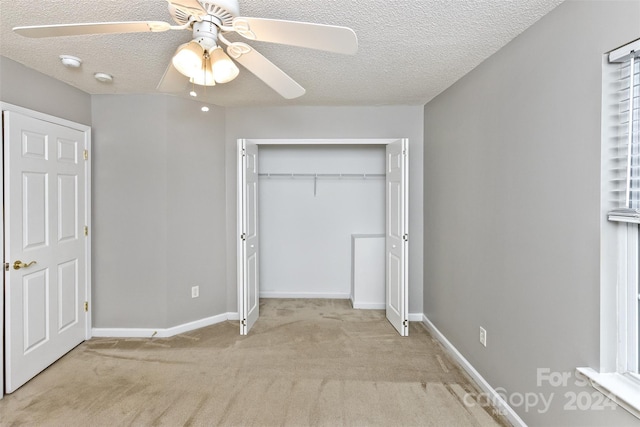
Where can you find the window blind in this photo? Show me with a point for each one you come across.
(626, 141)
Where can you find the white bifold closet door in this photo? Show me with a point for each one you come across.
(249, 291)
(396, 236)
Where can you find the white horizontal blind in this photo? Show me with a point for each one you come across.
(629, 109)
(626, 141)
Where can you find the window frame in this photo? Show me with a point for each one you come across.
(628, 275)
(618, 375)
(628, 352)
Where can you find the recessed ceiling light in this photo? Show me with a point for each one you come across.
(70, 61)
(205, 108)
(103, 77)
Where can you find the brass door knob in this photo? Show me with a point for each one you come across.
(19, 264)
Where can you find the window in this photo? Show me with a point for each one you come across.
(625, 148)
(618, 376)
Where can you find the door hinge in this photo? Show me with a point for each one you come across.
(405, 237)
(405, 323)
(244, 152)
(6, 266)
(86, 154)
(86, 306)
(244, 322)
(243, 236)
(86, 230)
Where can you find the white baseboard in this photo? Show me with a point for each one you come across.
(337, 295)
(160, 332)
(368, 305)
(502, 406)
(415, 317)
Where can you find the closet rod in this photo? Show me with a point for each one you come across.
(322, 175)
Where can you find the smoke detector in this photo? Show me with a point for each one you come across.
(103, 77)
(70, 61)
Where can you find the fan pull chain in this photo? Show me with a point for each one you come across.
(206, 63)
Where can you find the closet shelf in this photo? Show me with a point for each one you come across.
(322, 175)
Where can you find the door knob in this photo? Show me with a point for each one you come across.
(19, 264)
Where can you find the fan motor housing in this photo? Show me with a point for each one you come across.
(205, 32)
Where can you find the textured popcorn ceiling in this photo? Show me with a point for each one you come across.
(410, 50)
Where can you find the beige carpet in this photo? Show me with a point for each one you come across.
(306, 362)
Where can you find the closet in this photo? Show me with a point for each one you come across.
(323, 219)
(312, 198)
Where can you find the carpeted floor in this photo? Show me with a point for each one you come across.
(306, 362)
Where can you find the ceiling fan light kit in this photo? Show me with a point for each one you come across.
(204, 67)
(203, 60)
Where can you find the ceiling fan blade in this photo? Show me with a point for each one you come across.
(92, 28)
(172, 81)
(330, 38)
(265, 70)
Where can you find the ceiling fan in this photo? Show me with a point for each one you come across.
(203, 59)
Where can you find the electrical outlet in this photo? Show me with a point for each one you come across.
(195, 291)
(483, 336)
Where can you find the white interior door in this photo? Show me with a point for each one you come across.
(397, 236)
(249, 298)
(45, 244)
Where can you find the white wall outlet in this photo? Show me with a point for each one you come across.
(483, 336)
(195, 291)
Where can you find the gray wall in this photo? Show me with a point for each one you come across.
(28, 88)
(330, 122)
(196, 252)
(512, 204)
(158, 214)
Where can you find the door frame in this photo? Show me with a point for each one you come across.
(303, 141)
(4, 106)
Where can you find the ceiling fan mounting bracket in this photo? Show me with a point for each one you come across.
(224, 10)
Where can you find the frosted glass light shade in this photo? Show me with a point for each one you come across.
(188, 59)
(224, 69)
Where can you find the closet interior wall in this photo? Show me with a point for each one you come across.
(306, 223)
